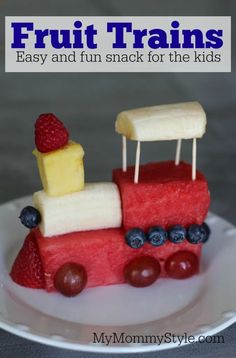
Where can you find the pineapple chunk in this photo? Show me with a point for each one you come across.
(62, 171)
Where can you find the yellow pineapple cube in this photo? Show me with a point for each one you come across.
(62, 171)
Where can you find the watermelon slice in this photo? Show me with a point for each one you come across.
(103, 253)
(165, 196)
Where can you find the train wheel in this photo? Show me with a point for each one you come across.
(142, 271)
(182, 264)
(70, 279)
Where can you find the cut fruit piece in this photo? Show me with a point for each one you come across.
(165, 196)
(102, 253)
(62, 171)
(98, 206)
(27, 269)
(169, 121)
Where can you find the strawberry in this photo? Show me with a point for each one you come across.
(27, 269)
(50, 133)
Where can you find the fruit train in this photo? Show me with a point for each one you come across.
(147, 223)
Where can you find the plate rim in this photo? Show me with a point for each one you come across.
(60, 342)
(57, 343)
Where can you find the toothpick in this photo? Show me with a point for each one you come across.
(137, 161)
(178, 151)
(124, 153)
(194, 158)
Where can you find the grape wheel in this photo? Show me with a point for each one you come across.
(142, 271)
(182, 264)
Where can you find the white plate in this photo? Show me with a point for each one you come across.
(202, 305)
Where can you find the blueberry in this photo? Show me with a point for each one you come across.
(30, 217)
(157, 236)
(135, 238)
(207, 232)
(198, 233)
(177, 234)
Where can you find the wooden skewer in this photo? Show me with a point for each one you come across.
(137, 162)
(194, 158)
(124, 153)
(178, 151)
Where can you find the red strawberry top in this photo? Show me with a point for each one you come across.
(50, 133)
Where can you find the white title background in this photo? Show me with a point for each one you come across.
(131, 60)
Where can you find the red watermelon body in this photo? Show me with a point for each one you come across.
(166, 195)
(103, 253)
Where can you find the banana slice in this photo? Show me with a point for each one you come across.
(98, 206)
(166, 122)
